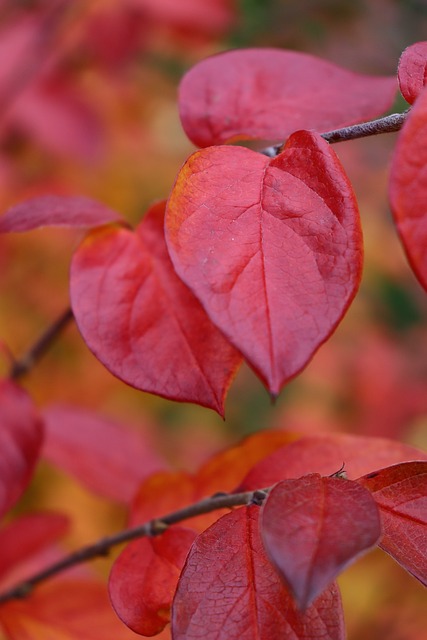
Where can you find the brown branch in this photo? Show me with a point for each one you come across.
(152, 528)
(387, 124)
(38, 349)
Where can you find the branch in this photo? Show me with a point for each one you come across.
(387, 124)
(22, 366)
(148, 529)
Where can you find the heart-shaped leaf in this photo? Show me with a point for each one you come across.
(269, 93)
(229, 587)
(408, 186)
(272, 248)
(313, 527)
(400, 492)
(142, 322)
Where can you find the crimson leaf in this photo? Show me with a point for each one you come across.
(272, 248)
(229, 589)
(400, 493)
(142, 322)
(313, 527)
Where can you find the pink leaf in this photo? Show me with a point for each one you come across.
(144, 578)
(142, 322)
(20, 441)
(400, 492)
(110, 458)
(56, 116)
(314, 527)
(229, 589)
(408, 187)
(57, 211)
(272, 248)
(269, 93)
(412, 71)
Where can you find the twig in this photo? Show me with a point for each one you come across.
(152, 528)
(387, 124)
(24, 364)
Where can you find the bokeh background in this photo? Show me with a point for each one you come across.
(88, 106)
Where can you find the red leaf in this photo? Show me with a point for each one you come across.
(412, 71)
(67, 609)
(272, 248)
(400, 492)
(20, 441)
(229, 589)
(314, 527)
(269, 93)
(57, 211)
(408, 187)
(111, 459)
(144, 578)
(325, 455)
(27, 535)
(142, 322)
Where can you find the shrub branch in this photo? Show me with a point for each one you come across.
(38, 349)
(387, 124)
(148, 529)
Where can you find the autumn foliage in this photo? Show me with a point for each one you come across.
(255, 257)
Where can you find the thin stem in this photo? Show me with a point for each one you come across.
(151, 528)
(38, 349)
(387, 124)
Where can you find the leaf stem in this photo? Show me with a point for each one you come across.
(387, 124)
(151, 528)
(38, 349)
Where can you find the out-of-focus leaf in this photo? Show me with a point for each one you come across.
(400, 492)
(27, 535)
(143, 579)
(272, 248)
(57, 211)
(408, 187)
(412, 71)
(227, 468)
(229, 589)
(165, 492)
(110, 458)
(325, 455)
(21, 433)
(314, 527)
(270, 93)
(211, 16)
(55, 115)
(142, 322)
(64, 610)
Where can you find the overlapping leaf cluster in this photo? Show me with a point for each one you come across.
(253, 258)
